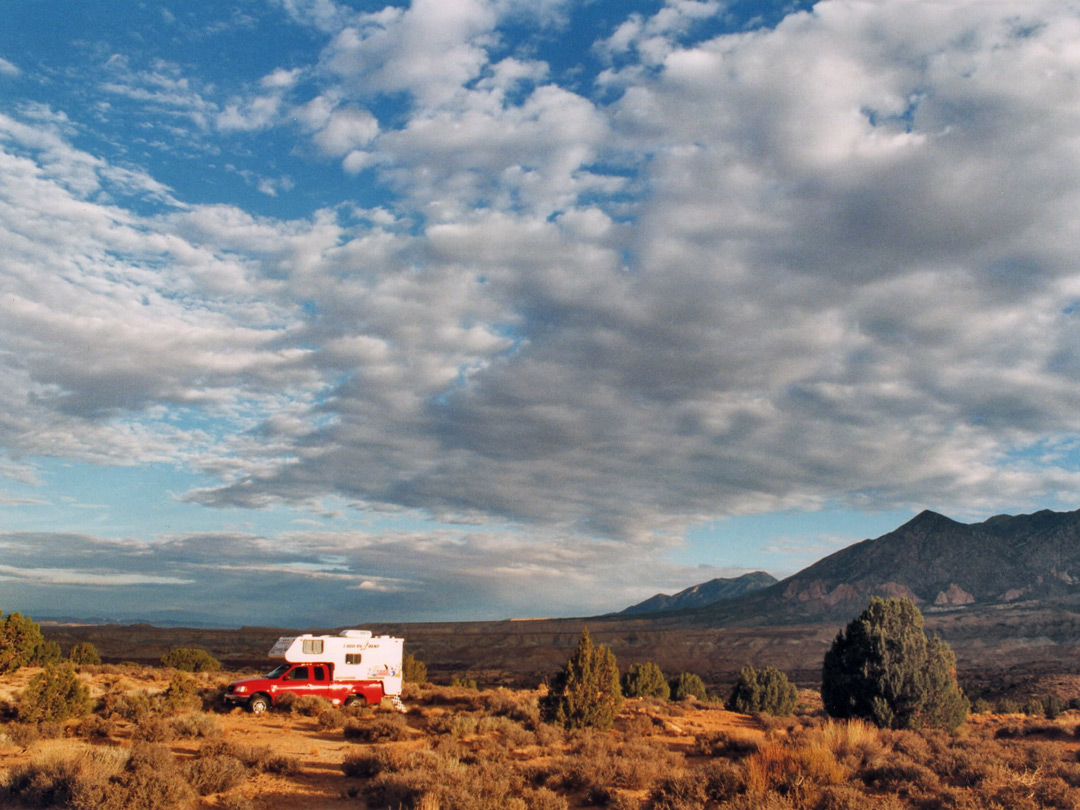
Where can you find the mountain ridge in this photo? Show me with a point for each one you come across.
(703, 594)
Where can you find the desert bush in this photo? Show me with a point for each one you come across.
(214, 773)
(376, 729)
(687, 685)
(23, 734)
(189, 659)
(729, 745)
(982, 706)
(766, 691)
(1033, 707)
(48, 781)
(1053, 707)
(95, 727)
(331, 718)
(798, 770)
(463, 682)
(195, 724)
(363, 765)
(310, 705)
(724, 780)
(586, 693)
(681, 792)
(645, 680)
(131, 706)
(413, 670)
(182, 694)
(55, 694)
(84, 653)
(20, 637)
(281, 764)
(883, 668)
(522, 707)
(153, 728)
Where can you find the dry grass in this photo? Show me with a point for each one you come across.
(460, 748)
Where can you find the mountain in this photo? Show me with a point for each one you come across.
(937, 562)
(707, 593)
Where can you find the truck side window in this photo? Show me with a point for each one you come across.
(319, 673)
(298, 674)
(353, 658)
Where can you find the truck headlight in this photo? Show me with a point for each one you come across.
(241, 689)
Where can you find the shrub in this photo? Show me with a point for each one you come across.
(376, 729)
(645, 680)
(20, 638)
(214, 773)
(687, 685)
(413, 670)
(586, 692)
(190, 660)
(463, 682)
(46, 654)
(84, 653)
(883, 668)
(767, 691)
(182, 693)
(55, 694)
(682, 792)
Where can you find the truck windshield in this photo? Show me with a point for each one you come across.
(277, 671)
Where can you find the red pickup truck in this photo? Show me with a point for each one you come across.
(343, 669)
(259, 694)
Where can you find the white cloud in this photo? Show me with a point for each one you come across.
(8, 68)
(829, 262)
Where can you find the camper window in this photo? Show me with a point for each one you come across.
(313, 646)
(353, 658)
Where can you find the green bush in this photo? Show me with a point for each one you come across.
(182, 693)
(46, 654)
(586, 693)
(20, 638)
(413, 670)
(884, 669)
(766, 691)
(687, 685)
(53, 695)
(645, 680)
(190, 660)
(84, 653)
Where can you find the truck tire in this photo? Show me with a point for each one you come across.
(258, 704)
(355, 700)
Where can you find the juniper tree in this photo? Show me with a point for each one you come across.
(687, 685)
(20, 639)
(586, 693)
(645, 680)
(763, 690)
(883, 668)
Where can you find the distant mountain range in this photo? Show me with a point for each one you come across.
(707, 593)
(939, 563)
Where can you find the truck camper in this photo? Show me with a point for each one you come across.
(347, 668)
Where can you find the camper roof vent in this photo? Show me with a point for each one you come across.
(356, 634)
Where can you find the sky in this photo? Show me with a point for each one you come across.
(317, 313)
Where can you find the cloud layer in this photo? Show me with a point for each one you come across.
(830, 262)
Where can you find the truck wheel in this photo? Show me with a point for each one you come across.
(354, 700)
(258, 704)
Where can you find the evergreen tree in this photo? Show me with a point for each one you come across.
(586, 692)
(688, 685)
(84, 653)
(883, 668)
(55, 694)
(766, 690)
(413, 670)
(645, 680)
(20, 639)
(190, 659)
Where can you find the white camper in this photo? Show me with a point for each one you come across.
(357, 655)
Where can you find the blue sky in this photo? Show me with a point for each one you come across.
(318, 312)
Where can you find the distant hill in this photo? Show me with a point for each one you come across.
(935, 561)
(707, 593)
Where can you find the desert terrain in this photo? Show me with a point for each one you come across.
(463, 748)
